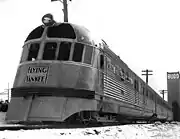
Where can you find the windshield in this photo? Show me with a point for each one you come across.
(36, 33)
(61, 51)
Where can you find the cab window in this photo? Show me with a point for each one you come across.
(64, 51)
(78, 52)
(33, 52)
(24, 53)
(95, 57)
(36, 33)
(88, 54)
(61, 31)
(49, 51)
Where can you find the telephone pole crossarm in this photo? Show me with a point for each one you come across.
(163, 92)
(147, 74)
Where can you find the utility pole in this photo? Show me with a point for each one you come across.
(147, 74)
(163, 92)
(8, 92)
(146, 88)
(65, 9)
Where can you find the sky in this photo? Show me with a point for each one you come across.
(144, 33)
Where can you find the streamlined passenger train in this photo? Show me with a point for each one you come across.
(64, 75)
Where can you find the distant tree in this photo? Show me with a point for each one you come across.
(4, 106)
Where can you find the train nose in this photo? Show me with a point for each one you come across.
(45, 108)
(63, 75)
(68, 76)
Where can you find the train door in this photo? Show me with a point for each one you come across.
(101, 70)
(136, 92)
(155, 104)
(136, 97)
(143, 98)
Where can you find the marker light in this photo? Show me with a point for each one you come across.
(48, 20)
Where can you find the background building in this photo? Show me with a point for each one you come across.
(173, 87)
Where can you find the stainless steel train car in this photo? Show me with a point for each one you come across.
(65, 75)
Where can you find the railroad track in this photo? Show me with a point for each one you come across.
(15, 127)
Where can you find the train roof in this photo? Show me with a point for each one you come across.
(64, 30)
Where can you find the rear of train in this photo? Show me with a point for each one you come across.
(57, 76)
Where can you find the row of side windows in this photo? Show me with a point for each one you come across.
(62, 52)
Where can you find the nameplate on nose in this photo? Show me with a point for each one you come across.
(37, 74)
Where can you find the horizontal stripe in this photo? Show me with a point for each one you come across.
(107, 83)
(52, 91)
(120, 84)
(118, 90)
(115, 94)
(127, 92)
(138, 107)
(113, 88)
(111, 93)
(121, 98)
(111, 96)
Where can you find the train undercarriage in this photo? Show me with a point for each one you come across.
(81, 115)
(84, 119)
(92, 117)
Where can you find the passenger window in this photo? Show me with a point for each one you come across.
(122, 71)
(136, 85)
(147, 93)
(64, 51)
(127, 75)
(101, 61)
(78, 52)
(49, 51)
(143, 91)
(88, 54)
(33, 51)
